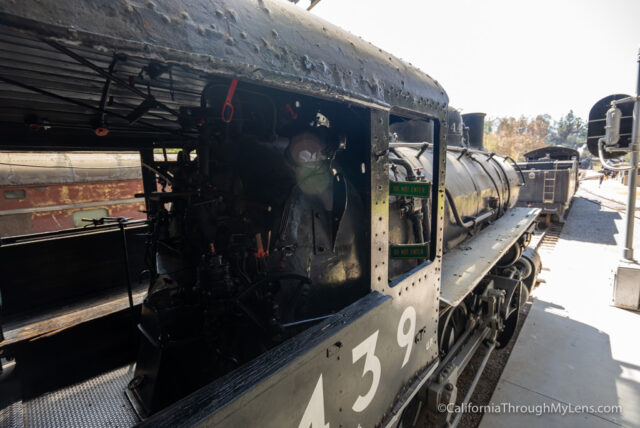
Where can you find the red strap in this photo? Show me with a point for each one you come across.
(293, 114)
(227, 108)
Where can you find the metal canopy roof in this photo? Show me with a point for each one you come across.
(260, 41)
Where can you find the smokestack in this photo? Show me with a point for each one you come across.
(454, 122)
(475, 123)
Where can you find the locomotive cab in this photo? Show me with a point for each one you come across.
(260, 237)
(314, 251)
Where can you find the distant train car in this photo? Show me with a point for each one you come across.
(551, 180)
(47, 191)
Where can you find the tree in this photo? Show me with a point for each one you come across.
(569, 131)
(514, 137)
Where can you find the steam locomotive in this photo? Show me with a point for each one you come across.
(331, 244)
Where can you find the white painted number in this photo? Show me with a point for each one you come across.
(405, 340)
(314, 413)
(371, 364)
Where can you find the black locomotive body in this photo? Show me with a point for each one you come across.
(551, 180)
(331, 244)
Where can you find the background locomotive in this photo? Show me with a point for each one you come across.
(308, 262)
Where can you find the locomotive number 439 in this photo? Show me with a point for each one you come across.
(314, 414)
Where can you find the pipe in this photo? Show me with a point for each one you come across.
(500, 204)
(411, 176)
(608, 165)
(633, 174)
(506, 177)
(466, 150)
(426, 221)
(416, 217)
(466, 224)
(516, 166)
(454, 210)
(482, 217)
(472, 178)
(416, 220)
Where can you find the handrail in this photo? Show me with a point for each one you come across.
(430, 145)
(65, 232)
(500, 205)
(515, 164)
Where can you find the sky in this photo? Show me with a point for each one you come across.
(506, 57)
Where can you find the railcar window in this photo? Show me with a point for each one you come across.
(410, 220)
(88, 214)
(15, 194)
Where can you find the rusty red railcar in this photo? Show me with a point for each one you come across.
(47, 191)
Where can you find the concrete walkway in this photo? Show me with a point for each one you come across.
(574, 348)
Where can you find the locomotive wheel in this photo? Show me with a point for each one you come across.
(451, 327)
(511, 322)
(529, 275)
(511, 256)
(411, 415)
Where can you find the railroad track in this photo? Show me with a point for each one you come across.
(550, 238)
(544, 241)
(606, 202)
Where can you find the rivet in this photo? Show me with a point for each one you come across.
(232, 14)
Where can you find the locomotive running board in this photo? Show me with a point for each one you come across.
(464, 266)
